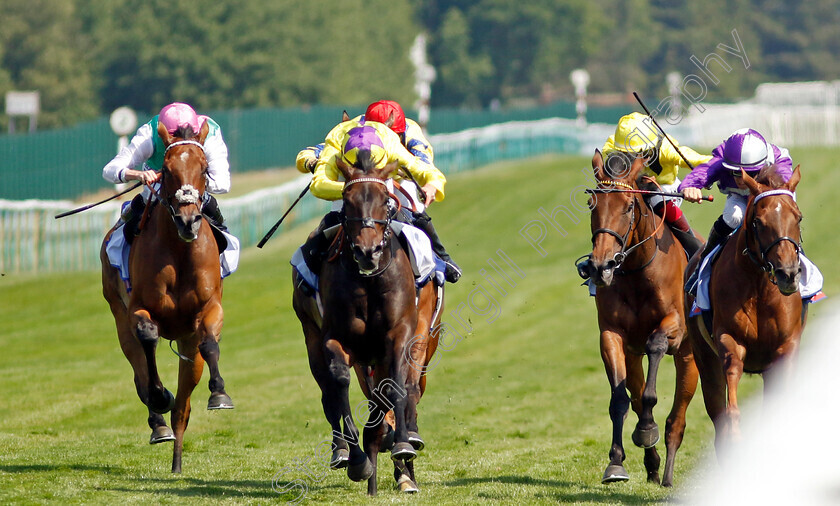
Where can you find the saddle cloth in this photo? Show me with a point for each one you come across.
(810, 282)
(118, 249)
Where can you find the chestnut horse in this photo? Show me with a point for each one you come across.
(637, 267)
(175, 291)
(756, 328)
(375, 321)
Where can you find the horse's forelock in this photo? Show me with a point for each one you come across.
(185, 132)
(770, 176)
(364, 161)
(618, 164)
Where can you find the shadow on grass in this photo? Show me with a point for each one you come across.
(598, 494)
(49, 468)
(175, 485)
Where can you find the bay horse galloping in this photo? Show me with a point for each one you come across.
(375, 321)
(175, 290)
(637, 267)
(757, 313)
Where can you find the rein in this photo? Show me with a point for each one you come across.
(186, 194)
(622, 255)
(369, 222)
(761, 259)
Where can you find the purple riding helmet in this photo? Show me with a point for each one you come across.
(745, 149)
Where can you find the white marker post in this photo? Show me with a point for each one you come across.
(123, 122)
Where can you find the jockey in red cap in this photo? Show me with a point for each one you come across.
(412, 139)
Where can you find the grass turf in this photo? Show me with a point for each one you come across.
(516, 406)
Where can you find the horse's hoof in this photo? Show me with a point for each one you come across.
(416, 441)
(340, 458)
(161, 434)
(361, 471)
(403, 451)
(166, 406)
(388, 441)
(219, 400)
(407, 485)
(614, 473)
(646, 438)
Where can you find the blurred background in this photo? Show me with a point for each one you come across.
(277, 75)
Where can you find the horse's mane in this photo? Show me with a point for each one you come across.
(770, 176)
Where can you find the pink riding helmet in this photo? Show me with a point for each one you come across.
(177, 114)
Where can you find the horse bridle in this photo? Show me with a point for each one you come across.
(761, 259)
(186, 194)
(622, 254)
(369, 222)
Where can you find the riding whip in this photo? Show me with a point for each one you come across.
(690, 166)
(276, 225)
(85, 208)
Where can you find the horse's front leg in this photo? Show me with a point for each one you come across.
(374, 435)
(336, 402)
(646, 434)
(133, 351)
(612, 353)
(636, 387)
(687, 375)
(160, 400)
(209, 333)
(189, 374)
(395, 390)
(732, 361)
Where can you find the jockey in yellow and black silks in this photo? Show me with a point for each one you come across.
(637, 135)
(403, 141)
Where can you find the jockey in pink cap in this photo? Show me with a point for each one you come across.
(142, 160)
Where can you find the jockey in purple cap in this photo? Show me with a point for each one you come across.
(745, 149)
(409, 147)
(142, 160)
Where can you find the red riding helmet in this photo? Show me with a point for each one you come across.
(381, 111)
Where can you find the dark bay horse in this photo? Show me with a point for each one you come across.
(637, 267)
(374, 321)
(176, 291)
(758, 314)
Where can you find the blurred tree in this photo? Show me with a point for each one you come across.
(249, 53)
(38, 52)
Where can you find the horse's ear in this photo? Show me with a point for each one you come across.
(345, 116)
(384, 172)
(752, 184)
(164, 134)
(390, 121)
(598, 165)
(794, 179)
(345, 168)
(203, 131)
(636, 168)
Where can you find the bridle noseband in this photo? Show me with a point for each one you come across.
(370, 222)
(621, 256)
(761, 259)
(186, 194)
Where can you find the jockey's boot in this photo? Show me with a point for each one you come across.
(688, 240)
(717, 234)
(315, 248)
(213, 213)
(424, 222)
(131, 216)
